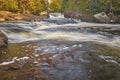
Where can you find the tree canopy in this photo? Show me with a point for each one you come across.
(36, 6)
(55, 5)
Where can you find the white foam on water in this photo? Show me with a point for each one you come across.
(56, 15)
(6, 63)
(109, 59)
(75, 36)
(13, 60)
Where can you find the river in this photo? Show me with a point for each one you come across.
(60, 49)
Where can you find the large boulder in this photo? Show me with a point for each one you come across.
(102, 17)
(76, 14)
(6, 16)
(3, 40)
(73, 14)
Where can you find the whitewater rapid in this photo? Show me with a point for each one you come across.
(61, 28)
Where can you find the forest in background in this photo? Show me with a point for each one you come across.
(37, 6)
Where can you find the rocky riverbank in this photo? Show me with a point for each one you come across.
(10, 16)
(87, 16)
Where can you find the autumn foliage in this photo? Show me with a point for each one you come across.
(37, 6)
(24, 6)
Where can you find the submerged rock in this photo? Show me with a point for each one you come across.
(3, 40)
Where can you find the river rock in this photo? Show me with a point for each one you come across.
(102, 17)
(3, 40)
(17, 16)
(73, 14)
(44, 13)
(2, 19)
(76, 14)
(10, 16)
(4, 13)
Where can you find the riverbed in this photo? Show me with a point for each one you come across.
(60, 49)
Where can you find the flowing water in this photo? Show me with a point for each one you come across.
(60, 49)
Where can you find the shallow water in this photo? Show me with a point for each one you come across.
(60, 49)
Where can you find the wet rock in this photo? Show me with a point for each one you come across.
(73, 14)
(3, 40)
(54, 59)
(76, 14)
(40, 75)
(102, 17)
(89, 17)
(17, 65)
